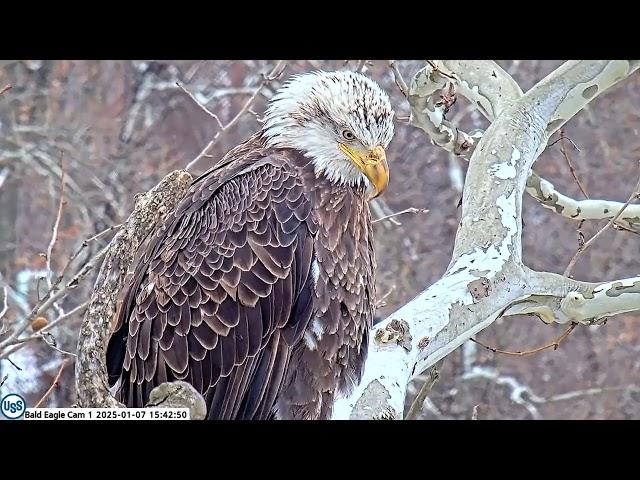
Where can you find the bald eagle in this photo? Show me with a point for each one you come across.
(259, 288)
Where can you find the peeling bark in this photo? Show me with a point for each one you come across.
(545, 193)
(486, 277)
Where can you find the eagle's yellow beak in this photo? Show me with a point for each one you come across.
(373, 164)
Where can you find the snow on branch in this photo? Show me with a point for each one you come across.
(486, 277)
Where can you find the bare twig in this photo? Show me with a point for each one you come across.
(266, 79)
(5, 303)
(617, 226)
(440, 71)
(5, 308)
(209, 112)
(20, 342)
(79, 309)
(85, 243)
(563, 149)
(382, 301)
(591, 391)
(401, 212)
(49, 299)
(397, 76)
(53, 385)
(6, 88)
(13, 364)
(634, 195)
(193, 70)
(54, 232)
(554, 343)
(416, 405)
(52, 344)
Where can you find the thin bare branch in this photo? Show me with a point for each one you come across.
(53, 385)
(397, 76)
(277, 70)
(634, 195)
(5, 303)
(591, 391)
(381, 302)
(401, 212)
(85, 243)
(5, 308)
(5, 89)
(416, 405)
(361, 66)
(474, 413)
(553, 344)
(563, 149)
(50, 298)
(13, 364)
(54, 232)
(18, 343)
(53, 344)
(205, 109)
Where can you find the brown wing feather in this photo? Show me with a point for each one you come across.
(222, 292)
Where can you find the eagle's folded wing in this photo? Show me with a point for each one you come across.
(220, 295)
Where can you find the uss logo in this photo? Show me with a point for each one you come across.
(13, 406)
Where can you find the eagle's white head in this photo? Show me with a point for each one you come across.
(342, 120)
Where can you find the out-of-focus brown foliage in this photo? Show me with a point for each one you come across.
(120, 126)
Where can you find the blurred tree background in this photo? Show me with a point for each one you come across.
(112, 129)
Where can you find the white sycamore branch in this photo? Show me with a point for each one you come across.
(545, 193)
(486, 277)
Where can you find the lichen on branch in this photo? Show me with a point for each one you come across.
(91, 372)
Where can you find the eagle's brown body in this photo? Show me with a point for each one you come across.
(258, 290)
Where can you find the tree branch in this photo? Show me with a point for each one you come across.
(205, 109)
(634, 196)
(401, 212)
(545, 193)
(572, 169)
(53, 385)
(54, 236)
(521, 353)
(397, 76)
(18, 343)
(560, 299)
(487, 86)
(5, 308)
(277, 70)
(486, 275)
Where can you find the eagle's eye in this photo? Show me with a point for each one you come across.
(348, 135)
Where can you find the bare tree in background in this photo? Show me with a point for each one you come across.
(486, 280)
